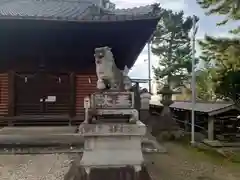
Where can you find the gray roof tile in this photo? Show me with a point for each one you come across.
(135, 10)
(206, 107)
(200, 107)
(43, 8)
(67, 10)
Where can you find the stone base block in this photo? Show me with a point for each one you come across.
(110, 158)
(144, 116)
(213, 143)
(112, 145)
(123, 173)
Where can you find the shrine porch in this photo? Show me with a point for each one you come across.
(41, 120)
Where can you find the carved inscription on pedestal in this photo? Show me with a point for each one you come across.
(113, 100)
(116, 128)
(108, 128)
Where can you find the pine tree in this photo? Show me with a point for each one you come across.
(229, 8)
(224, 52)
(225, 55)
(204, 84)
(172, 44)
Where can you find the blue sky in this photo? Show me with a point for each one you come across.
(207, 25)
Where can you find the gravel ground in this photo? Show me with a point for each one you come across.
(34, 167)
(181, 164)
(177, 164)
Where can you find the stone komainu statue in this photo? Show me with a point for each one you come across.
(108, 74)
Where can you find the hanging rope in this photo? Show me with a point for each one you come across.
(30, 76)
(25, 77)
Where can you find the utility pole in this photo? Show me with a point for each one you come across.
(193, 83)
(149, 67)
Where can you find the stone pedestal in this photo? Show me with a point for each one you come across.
(112, 145)
(145, 100)
(144, 110)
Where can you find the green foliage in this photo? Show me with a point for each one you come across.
(225, 55)
(204, 84)
(223, 52)
(171, 43)
(229, 8)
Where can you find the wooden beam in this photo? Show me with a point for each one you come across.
(222, 110)
(11, 93)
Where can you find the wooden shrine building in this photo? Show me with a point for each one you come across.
(217, 120)
(46, 53)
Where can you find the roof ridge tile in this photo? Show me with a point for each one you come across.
(61, 10)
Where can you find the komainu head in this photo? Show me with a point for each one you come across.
(109, 76)
(103, 54)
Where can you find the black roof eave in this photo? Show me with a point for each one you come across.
(127, 55)
(147, 39)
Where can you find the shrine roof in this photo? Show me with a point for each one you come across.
(70, 10)
(211, 108)
(201, 106)
(60, 29)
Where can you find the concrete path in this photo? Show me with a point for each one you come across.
(37, 130)
(35, 136)
(45, 139)
(50, 140)
(46, 163)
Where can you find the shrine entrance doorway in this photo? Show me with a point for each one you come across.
(42, 93)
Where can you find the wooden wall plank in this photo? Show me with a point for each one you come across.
(4, 94)
(11, 93)
(85, 85)
(73, 94)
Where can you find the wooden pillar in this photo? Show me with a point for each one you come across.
(72, 94)
(11, 93)
(210, 128)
